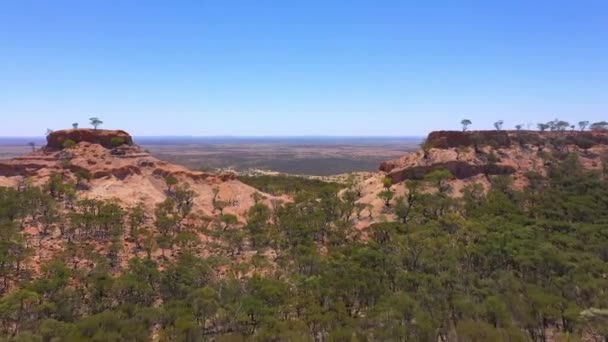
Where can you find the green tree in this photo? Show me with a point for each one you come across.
(95, 122)
(599, 126)
(170, 181)
(386, 196)
(542, 127)
(498, 125)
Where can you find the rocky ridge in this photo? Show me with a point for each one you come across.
(109, 165)
(103, 137)
(486, 153)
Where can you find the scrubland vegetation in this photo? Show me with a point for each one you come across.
(499, 266)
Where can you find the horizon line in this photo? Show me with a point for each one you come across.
(240, 136)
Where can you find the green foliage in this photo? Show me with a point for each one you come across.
(69, 143)
(465, 124)
(171, 181)
(291, 185)
(599, 126)
(95, 122)
(387, 182)
(117, 141)
(542, 127)
(386, 196)
(498, 125)
(501, 265)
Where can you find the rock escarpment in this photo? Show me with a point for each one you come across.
(103, 137)
(107, 164)
(449, 139)
(468, 154)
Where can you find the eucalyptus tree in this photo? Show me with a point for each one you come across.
(95, 122)
(465, 124)
(498, 125)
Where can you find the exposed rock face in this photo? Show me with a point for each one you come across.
(127, 172)
(459, 169)
(505, 139)
(449, 139)
(389, 165)
(103, 137)
(468, 154)
(99, 162)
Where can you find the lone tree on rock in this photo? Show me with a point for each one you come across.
(582, 125)
(465, 124)
(95, 122)
(498, 125)
(518, 127)
(32, 145)
(386, 196)
(75, 125)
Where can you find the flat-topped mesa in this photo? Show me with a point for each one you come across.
(448, 139)
(473, 153)
(505, 139)
(104, 137)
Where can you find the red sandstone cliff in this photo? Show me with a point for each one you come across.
(468, 154)
(103, 137)
(126, 172)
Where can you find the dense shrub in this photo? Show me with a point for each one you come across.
(69, 143)
(117, 141)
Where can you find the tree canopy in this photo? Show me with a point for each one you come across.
(497, 265)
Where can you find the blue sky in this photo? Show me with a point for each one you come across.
(300, 67)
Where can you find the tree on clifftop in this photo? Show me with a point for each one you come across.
(95, 122)
(542, 126)
(465, 124)
(75, 125)
(561, 125)
(599, 126)
(498, 125)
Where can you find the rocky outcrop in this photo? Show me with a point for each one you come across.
(8, 169)
(467, 154)
(94, 156)
(459, 169)
(505, 139)
(389, 165)
(453, 139)
(194, 175)
(103, 137)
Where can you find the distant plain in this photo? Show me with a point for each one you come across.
(319, 156)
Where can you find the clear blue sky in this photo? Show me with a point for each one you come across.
(300, 67)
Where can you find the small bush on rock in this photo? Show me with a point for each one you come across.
(69, 143)
(117, 141)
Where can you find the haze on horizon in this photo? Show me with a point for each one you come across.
(272, 68)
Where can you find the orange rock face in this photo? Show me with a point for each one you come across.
(468, 154)
(449, 139)
(103, 137)
(127, 172)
